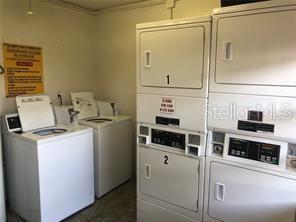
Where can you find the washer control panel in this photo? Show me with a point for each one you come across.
(166, 138)
(13, 123)
(263, 152)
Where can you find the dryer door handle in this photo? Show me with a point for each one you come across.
(147, 62)
(219, 191)
(147, 171)
(227, 51)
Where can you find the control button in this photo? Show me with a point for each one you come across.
(243, 153)
(233, 152)
(218, 148)
(293, 163)
(274, 158)
(262, 157)
(268, 158)
(238, 153)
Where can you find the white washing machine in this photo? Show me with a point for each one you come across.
(112, 143)
(172, 90)
(50, 168)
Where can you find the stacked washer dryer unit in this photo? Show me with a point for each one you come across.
(50, 173)
(172, 66)
(251, 155)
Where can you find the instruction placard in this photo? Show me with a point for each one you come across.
(23, 69)
(167, 105)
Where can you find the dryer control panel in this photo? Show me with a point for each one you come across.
(263, 152)
(166, 138)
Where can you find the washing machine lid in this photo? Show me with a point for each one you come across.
(35, 112)
(85, 104)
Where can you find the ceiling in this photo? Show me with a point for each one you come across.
(97, 5)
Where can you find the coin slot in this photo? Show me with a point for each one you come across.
(144, 130)
(194, 139)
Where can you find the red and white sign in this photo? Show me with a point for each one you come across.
(167, 105)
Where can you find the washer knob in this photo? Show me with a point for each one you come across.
(218, 148)
(293, 164)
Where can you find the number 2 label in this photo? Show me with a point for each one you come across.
(166, 158)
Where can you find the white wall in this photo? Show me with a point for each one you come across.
(66, 40)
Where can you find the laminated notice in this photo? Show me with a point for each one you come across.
(23, 69)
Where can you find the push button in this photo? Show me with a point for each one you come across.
(218, 148)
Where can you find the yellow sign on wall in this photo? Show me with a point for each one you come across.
(23, 69)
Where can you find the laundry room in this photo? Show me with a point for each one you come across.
(148, 110)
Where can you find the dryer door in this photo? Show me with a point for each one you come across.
(239, 194)
(172, 57)
(257, 49)
(170, 177)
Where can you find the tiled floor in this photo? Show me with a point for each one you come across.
(117, 206)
